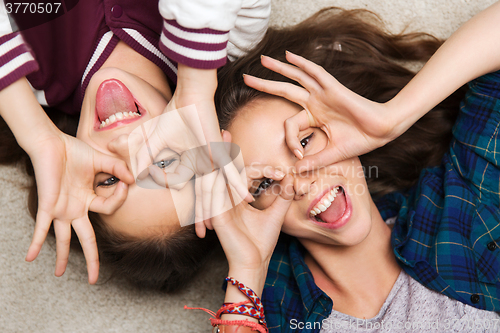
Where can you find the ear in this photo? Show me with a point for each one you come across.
(226, 136)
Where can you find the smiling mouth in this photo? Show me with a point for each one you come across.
(332, 209)
(115, 105)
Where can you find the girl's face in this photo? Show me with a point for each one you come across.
(115, 103)
(331, 205)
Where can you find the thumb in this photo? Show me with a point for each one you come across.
(280, 206)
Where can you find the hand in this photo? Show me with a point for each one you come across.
(189, 128)
(353, 124)
(64, 170)
(247, 235)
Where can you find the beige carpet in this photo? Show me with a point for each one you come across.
(33, 300)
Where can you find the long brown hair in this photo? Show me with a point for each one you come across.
(165, 262)
(353, 46)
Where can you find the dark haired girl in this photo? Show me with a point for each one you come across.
(440, 273)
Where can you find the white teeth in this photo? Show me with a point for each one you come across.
(326, 202)
(117, 117)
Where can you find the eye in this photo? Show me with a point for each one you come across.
(165, 163)
(109, 182)
(306, 140)
(263, 186)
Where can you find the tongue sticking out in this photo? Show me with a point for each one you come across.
(112, 97)
(336, 209)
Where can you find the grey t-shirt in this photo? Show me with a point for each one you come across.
(411, 307)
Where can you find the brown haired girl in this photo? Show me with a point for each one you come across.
(103, 61)
(341, 267)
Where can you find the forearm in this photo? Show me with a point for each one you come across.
(23, 114)
(473, 50)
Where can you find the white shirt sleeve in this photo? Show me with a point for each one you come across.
(5, 26)
(196, 32)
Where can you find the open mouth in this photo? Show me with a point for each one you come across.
(115, 105)
(332, 210)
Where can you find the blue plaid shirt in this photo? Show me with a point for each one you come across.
(447, 232)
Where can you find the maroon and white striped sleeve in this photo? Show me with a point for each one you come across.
(198, 48)
(16, 60)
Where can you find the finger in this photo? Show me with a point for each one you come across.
(220, 205)
(293, 126)
(291, 72)
(258, 171)
(207, 186)
(200, 229)
(62, 231)
(113, 166)
(86, 236)
(109, 205)
(208, 224)
(234, 179)
(150, 147)
(281, 204)
(286, 90)
(232, 174)
(178, 179)
(158, 175)
(42, 225)
(198, 204)
(320, 75)
(329, 155)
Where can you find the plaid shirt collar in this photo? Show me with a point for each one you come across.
(290, 294)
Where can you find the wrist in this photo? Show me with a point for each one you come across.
(255, 279)
(25, 117)
(196, 81)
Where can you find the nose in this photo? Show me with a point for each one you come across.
(303, 182)
(120, 147)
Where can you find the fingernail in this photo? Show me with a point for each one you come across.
(279, 174)
(261, 56)
(244, 75)
(298, 153)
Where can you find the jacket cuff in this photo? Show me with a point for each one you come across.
(197, 48)
(16, 60)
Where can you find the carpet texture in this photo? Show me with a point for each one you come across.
(32, 299)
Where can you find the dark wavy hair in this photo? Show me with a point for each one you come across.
(353, 46)
(165, 262)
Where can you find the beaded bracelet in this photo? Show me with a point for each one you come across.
(243, 309)
(256, 311)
